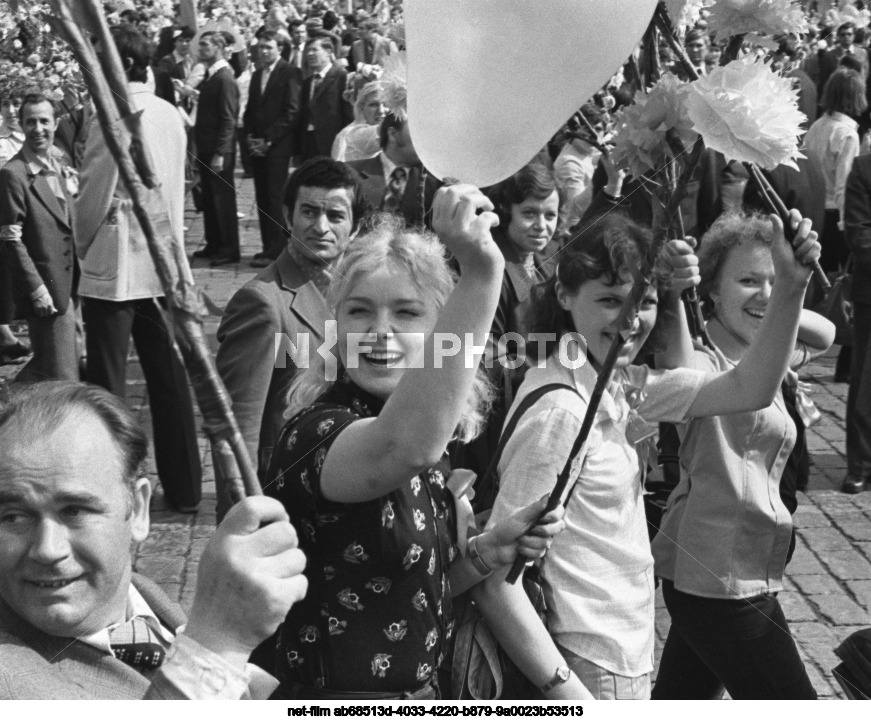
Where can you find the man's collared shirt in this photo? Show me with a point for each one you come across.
(137, 607)
(46, 166)
(387, 165)
(210, 72)
(264, 76)
(317, 79)
(193, 670)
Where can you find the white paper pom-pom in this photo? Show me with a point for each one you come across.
(768, 17)
(747, 112)
(395, 81)
(685, 13)
(640, 141)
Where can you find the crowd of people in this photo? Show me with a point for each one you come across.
(341, 581)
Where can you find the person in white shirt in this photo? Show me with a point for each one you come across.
(833, 140)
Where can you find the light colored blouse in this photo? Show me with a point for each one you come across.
(726, 531)
(598, 575)
(834, 141)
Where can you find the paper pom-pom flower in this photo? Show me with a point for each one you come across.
(640, 141)
(847, 12)
(395, 81)
(747, 112)
(769, 17)
(685, 13)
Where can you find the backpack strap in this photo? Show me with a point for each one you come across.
(489, 478)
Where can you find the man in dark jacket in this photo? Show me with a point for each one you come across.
(857, 222)
(270, 117)
(324, 110)
(215, 136)
(36, 242)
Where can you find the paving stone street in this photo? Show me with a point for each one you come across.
(828, 588)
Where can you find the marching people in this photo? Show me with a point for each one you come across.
(361, 466)
(598, 576)
(727, 530)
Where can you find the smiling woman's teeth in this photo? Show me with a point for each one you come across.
(383, 357)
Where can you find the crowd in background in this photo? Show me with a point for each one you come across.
(355, 229)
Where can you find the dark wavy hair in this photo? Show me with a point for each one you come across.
(606, 249)
(534, 180)
(330, 174)
(845, 93)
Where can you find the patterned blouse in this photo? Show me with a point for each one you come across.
(377, 615)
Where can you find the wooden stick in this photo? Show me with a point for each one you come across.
(168, 257)
(624, 323)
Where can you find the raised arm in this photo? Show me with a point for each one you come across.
(373, 456)
(815, 334)
(753, 383)
(680, 265)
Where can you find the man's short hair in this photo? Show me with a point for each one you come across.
(295, 23)
(182, 32)
(271, 35)
(324, 39)
(130, 16)
(849, 25)
(41, 408)
(216, 37)
(133, 46)
(35, 98)
(697, 34)
(331, 19)
(328, 174)
(390, 121)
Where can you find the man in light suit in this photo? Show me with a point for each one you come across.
(322, 207)
(215, 137)
(391, 180)
(36, 242)
(75, 621)
(270, 118)
(323, 109)
(122, 294)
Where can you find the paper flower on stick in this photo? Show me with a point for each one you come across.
(768, 17)
(395, 81)
(685, 13)
(747, 112)
(847, 12)
(640, 142)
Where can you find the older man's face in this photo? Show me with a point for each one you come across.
(67, 526)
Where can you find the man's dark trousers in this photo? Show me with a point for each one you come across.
(270, 176)
(109, 326)
(220, 221)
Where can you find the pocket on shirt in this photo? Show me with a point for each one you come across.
(104, 257)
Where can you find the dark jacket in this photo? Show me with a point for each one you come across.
(273, 114)
(46, 254)
(217, 111)
(372, 175)
(857, 222)
(327, 111)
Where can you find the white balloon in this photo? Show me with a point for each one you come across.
(490, 81)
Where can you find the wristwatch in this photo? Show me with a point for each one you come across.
(562, 674)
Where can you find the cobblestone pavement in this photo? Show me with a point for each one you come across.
(828, 587)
